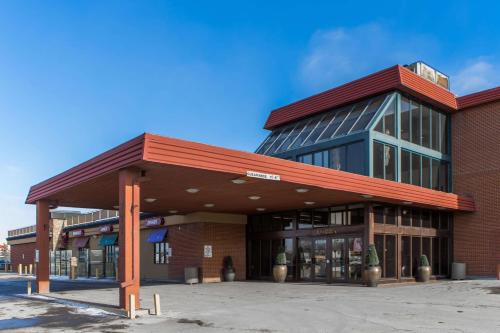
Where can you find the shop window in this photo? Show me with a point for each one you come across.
(305, 220)
(406, 256)
(160, 253)
(320, 218)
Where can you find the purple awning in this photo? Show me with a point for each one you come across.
(81, 242)
(157, 235)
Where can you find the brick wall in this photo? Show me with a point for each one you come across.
(476, 172)
(22, 254)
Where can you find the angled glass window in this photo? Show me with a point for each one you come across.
(387, 124)
(351, 118)
(277, 143)
(370, 111)
(295, 132)
(319, 129)
(270, 140)
(305, 133)
(331, 130)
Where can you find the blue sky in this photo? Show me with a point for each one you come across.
(79, 77)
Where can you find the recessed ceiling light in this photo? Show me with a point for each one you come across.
(254, 197)
(239, 181)
(261, 209)
(302, 190)
(309, 203)
(367, 196)
(407, 202)
(193, 190)
(209, 205)
(173, 211)
(116, 207)
(150, 200)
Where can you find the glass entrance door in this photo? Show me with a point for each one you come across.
(338, 259)
(320, 259)
(305, 251)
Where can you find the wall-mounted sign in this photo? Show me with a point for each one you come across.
(267, 176)
(77, 233)
(106, 228)
(154, 221)
(207, 251)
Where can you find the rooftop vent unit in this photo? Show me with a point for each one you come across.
(429, 73)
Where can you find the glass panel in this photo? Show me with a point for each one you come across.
(320, 259)
(337, 215)
(277, 143)
(378, 212)
(390, 256)
(269, 142)
(426, 172)
(435, 174)
(290, 257)
(406, 256)
(444, 260)
(379, 246)
(426, 126)
(338, 158)
(415, 218)
(265, 258)
(426, 247)
(255, 259)
(296, 131)
(338, 259)
(426, 219)
(305, 221)
(378, 160)
(320, 218)
(435, 129)
(387, 124)
(319, 129)
(444, 133)
(355, 258)
(415, 250)
(435, 220)
(307, 159)
(415, 122)
(406, 217)
(435, 256)
(355, 216)
(276, 246)
(305, 133)
(405, 118)
(351, 118)
(289, 220)
(444, 223)
(356, 158)
(390, 162)
(390, 215)
(320, 158)
(305, 259)
(370, 111)
(405, 167)
(415, 169)
(334, 125)
(443, 176)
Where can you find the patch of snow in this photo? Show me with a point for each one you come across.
(78, 307)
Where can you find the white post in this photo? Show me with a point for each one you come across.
(26, 270)
(29, 287)
(31, 269)
(157, 304)
(132, 306)
(20, 269)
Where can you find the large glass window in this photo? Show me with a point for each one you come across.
(405, 166)
(356, 158)
(387, 124)
(443, 125)
(426, 172)
(426, 126)
(319, 129)
(415, 122)
(160, 253)
(435, 130)
(307, 159)
(415, 169)
(320, 158)
(406, 256)
(405, 118)
(384, 161)
(338, 158)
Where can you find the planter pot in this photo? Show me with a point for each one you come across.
(372, 276)
(229, 275)
(424, 273)
(279, 273)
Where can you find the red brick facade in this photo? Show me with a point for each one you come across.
(476, 172)
(22, 254)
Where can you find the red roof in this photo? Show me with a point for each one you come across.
(479, 98)
(392, 78)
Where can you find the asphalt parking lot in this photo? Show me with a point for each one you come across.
(86, 306)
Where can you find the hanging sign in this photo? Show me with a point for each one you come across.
(106, 228)
(267, 176)
(77, 233)
(154, 221)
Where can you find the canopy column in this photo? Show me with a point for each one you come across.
(129, 237)
(42, 246)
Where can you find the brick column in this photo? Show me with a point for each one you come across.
(129, 237)
(42, 245)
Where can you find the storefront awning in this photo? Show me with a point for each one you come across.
(81, 242)
(107, 240)
(157, 235)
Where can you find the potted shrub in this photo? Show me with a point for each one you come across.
(279, 269)
(372, 268)
(424, 269)
(229, 273)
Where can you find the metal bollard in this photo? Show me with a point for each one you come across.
(31, 269)
(29, 288)
(20, 269)
(157, 304)
(132, 306)
(26, 270)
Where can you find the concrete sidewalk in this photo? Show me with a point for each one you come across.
(448, 306)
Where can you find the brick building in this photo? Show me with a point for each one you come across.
(393, 159)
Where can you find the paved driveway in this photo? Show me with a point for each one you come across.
(449, 306)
